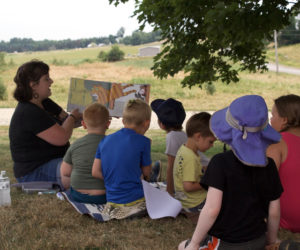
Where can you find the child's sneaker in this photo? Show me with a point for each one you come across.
(155, 172)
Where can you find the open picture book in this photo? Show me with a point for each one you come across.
(114, 96)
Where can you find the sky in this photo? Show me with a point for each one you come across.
(64, 19)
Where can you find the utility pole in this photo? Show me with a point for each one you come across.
(276, 54)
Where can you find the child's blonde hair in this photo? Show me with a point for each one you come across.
(136, 112)
(96, 115)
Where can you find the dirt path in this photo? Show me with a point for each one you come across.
(6, 114)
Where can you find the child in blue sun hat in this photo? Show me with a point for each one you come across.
(171, 115)
(242, 208)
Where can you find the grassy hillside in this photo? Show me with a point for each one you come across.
(288, 55)
(83, 64)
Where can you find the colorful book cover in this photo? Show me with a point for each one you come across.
(114, 96)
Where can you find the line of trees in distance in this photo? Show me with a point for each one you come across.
(28, 44)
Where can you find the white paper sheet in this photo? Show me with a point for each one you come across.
(159, 203)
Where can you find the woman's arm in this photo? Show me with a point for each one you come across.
(59, 135)
(63, 115)
(207, 218)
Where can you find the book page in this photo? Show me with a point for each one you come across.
(112, 95)
(159, 203)
(84, 92)
(120, 93)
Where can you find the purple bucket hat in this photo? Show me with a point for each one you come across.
(244, 125)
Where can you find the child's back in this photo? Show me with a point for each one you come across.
(78, 160)
(81, 156)
(174, 140)
(247, 191)
(123, 157)
(122, 154)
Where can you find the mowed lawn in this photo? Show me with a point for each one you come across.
(45, 222)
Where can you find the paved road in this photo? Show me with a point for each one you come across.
(5, 116)
(284, 69)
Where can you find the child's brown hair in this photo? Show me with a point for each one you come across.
(289, 106)
(96, 115)
(136, 112)
(199, 123)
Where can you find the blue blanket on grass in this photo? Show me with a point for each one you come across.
(158, 204)
(92, 210)
(105, 213)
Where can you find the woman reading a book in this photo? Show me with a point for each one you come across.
(40, 129)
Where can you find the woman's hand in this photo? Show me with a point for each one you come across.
(77, 116)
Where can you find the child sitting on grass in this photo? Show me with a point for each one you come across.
(122, 158)
(286, 120)
(171, 115)
(78, 160)
(242, 209)
(187, 166)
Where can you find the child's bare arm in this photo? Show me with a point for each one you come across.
(96, 169)
(275, 151)
(273, 221)
(191, 186)
(207, 217)
(65, 173)
(66, 169)
(146, 170)
(170, 181)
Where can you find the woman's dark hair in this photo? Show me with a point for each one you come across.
(289, 106)
(28, 72)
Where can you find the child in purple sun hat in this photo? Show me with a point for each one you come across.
(242, 208)
(244, 125)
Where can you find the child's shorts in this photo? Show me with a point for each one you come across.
(86, 198)
(196, 209)
(213, 243)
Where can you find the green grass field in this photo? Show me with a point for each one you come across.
(287, 55)
(137, 70)
(44, 222)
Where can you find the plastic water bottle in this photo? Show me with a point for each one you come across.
(5, 199)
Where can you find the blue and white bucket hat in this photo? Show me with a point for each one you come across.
(244, 125)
